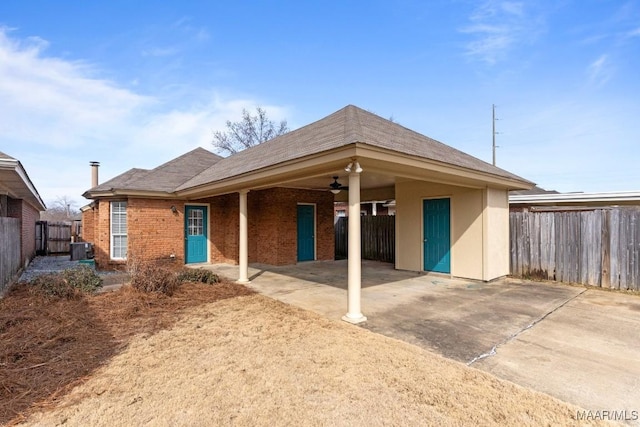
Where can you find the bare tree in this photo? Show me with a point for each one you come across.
(61, 209)
(249, 131)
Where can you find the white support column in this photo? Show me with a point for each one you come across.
(354, 313)
(243, 258)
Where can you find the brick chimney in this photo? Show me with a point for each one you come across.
(94, 173)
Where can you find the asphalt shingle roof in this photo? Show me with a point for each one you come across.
(122, 180)
(166, 177)
(346, 126)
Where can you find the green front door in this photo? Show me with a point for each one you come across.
(306, 233)
(437, 235)
(195, 232)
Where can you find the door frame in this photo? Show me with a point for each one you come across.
(315, 230)
(422, 200)
(184, 229)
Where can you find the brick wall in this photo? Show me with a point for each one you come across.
(28, 216)
(101, 237)
(155, 232)
(273, 226)
(224, 223)
(88, 224)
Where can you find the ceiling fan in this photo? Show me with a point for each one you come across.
(335, 186)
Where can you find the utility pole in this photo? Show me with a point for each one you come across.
(493, 123)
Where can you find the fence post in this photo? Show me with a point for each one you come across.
(605, 279)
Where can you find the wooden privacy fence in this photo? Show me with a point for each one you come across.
(598, 247)
(378, 237)
(53, 237)
(10, 249)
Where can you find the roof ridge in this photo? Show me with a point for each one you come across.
(188, 153)
(352, 125)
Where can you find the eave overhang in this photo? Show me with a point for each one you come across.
(372, 159)
(15, 183)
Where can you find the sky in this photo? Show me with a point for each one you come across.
(135, 84)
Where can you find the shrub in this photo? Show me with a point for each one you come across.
(84, 278)
(150, 278)
(68, 284)
(199, 276)
(56, 286)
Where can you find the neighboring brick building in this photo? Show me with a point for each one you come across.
(20, 201)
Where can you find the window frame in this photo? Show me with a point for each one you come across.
(113, 236)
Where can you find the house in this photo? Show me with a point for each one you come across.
(20, 206)
(373, 207)
(553, 200)
(271, 203)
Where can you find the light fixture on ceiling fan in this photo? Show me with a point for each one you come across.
(335, 186)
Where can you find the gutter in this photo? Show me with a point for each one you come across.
(602, 197)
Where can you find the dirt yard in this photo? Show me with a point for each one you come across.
(250, 360)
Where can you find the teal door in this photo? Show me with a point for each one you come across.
(437, 235)
(195, 231)
(306, 231)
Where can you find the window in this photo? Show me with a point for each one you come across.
(341, 213)
(118, 230)
(195, 222)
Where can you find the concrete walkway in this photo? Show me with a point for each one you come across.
(579, 345)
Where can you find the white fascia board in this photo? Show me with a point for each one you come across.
(16, 166)
(615, 196)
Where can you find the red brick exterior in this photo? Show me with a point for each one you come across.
(273, 225)
(224, 223)
(89, 224)
(28, 216)
(156, 233)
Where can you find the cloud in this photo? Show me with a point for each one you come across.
(634, 33)
(600, 71)
(45, 98)
(59, 114)
(496, 27)
(200, 34)
(159, 51)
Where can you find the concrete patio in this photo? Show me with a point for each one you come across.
(580, 345)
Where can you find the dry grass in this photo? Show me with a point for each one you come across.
(51, 344)
(255, 361)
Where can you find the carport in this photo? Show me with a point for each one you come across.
(273, 203)
(451, 208)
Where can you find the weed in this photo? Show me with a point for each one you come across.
(68, 284)
(198, 276)
(83, 278)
